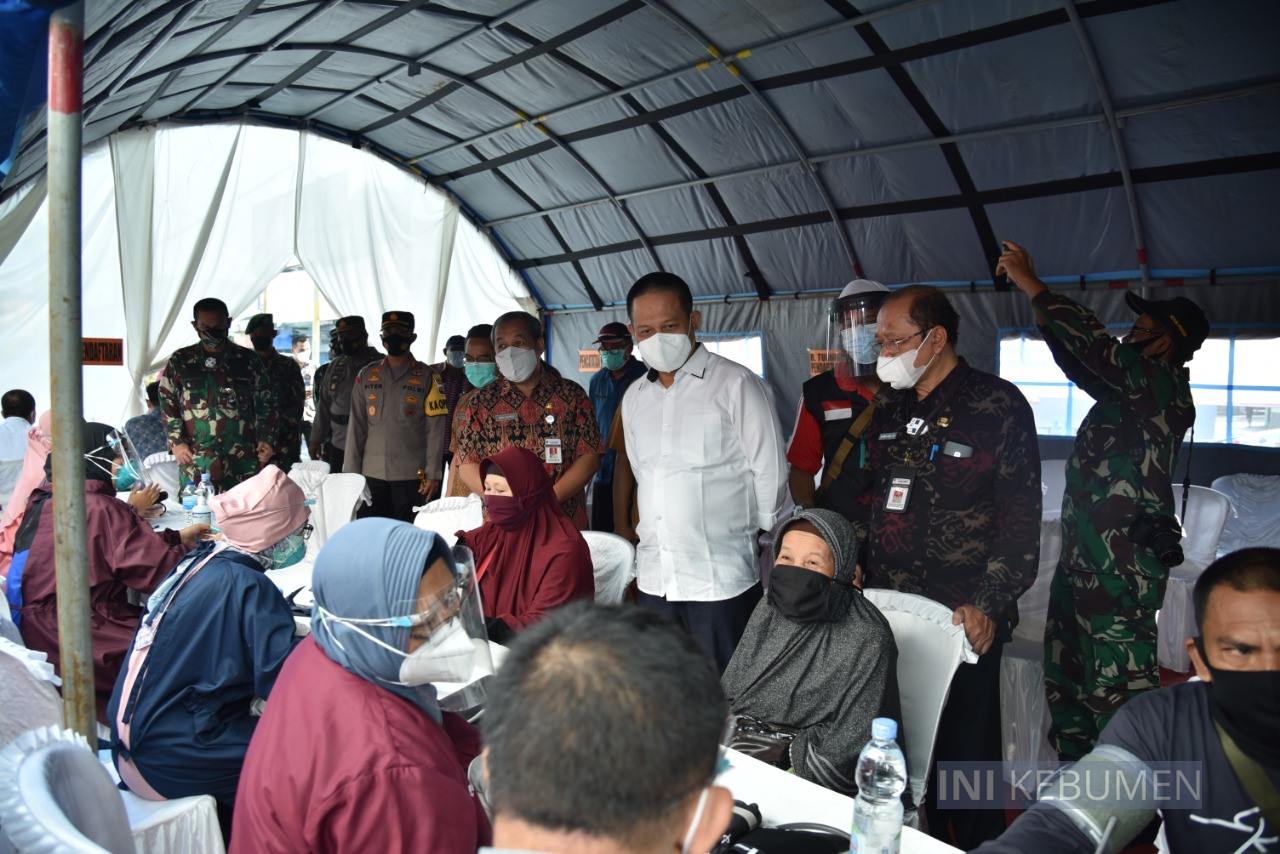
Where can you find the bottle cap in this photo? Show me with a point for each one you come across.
(884, 729)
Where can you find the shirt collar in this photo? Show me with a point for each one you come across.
(695, 365)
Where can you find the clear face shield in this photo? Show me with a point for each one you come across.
(851, 333)
(121, 460)
(446, 628)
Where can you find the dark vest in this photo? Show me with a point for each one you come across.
(821, 395)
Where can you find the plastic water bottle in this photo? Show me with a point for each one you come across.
(881, 777)
(188, 498)
(201, 514)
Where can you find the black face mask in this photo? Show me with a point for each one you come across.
(397, 345)
(800, 594)
(1247, 704)
(263, 344)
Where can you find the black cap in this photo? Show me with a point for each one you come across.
(352, 323)
(402, 319)
(258, 321)
(614, 331)
(1181, 318)
(456, 342)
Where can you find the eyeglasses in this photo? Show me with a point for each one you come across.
(894, 345)
(1145, 330)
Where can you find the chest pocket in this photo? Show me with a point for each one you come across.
(963, 471)
(373, 401)
(701, 439)
(411, 403)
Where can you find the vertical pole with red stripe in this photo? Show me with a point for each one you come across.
(75, 644)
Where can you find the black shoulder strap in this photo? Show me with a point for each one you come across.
(1253, 777)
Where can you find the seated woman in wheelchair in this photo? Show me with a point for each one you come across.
(817, 661)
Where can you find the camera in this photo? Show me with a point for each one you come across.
(1161, 534)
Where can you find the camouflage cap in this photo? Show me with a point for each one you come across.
(259, 321)
(402, 319)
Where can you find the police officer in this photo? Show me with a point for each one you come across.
(285, 378)
(398, 425)
(837, 406)
(219, 408)
(954, 516)
(1119, 532)
(333, 393)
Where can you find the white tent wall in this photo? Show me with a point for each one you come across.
(218, 210)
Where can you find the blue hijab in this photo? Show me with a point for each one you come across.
(365, 571)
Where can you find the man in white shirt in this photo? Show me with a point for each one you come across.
(19, 409)
(707, 453)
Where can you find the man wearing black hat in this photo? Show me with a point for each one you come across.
(618, 370)
(1119, 532)
(397, 427)
(286, 380)
(350, 342)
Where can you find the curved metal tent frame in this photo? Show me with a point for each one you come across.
(791, 145)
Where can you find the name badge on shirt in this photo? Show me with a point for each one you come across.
(901, 480)
(505, 417)
(554, 452)
(838, 414)
(888, 437)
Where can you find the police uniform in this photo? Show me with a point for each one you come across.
(955, 516)
(333, 394)
(397, 430)
(285, 379)
(220, 404)
(1100, 633)
(830, 404)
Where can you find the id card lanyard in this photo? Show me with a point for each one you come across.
(902, 478)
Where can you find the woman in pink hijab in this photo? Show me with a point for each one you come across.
(39, 441)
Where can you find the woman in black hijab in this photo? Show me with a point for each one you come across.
(817, 661)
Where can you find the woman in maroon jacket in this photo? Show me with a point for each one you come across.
(530, 557)
(353, 752)
(123, 553)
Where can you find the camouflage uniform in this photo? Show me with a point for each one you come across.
(221, 405)
(1100, 635)
(285, 378)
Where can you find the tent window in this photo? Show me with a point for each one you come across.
(745, 348)
(1236, 389)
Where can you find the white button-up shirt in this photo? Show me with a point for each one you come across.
(710, 471)
(13, 447)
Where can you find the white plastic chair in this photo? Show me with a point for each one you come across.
(930, 649)
(1202, 522)
(28, 691)
(614, 561)
(162, 470)
(341, 495)
(1255, 498)
(1024, 711)
(55, 796)
(447, 516)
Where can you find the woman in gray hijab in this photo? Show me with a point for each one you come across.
(817, 661)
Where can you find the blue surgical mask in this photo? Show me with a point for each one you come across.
(480, 374)
(125, 478)
(455, 358)
(860, 343)
(613, 359)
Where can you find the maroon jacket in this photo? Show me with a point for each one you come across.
(123, 552)
(339, 764)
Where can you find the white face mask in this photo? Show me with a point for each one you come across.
(693, 825)
(666, 351)
(517, 364)
(901, 371)
(447, 656)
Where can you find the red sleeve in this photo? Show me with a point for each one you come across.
(399, 809)
(141, 558)
(805, 450)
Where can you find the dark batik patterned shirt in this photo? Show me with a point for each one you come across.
(971, 530)
(499, 415)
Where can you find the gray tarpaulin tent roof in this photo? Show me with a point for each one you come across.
(757, 146)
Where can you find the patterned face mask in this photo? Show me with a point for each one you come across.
(289, 551)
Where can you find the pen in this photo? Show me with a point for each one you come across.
(933, 452)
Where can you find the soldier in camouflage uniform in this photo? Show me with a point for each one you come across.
(285, 378)
(1100, 635)
(218, 406)
(332, 393)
